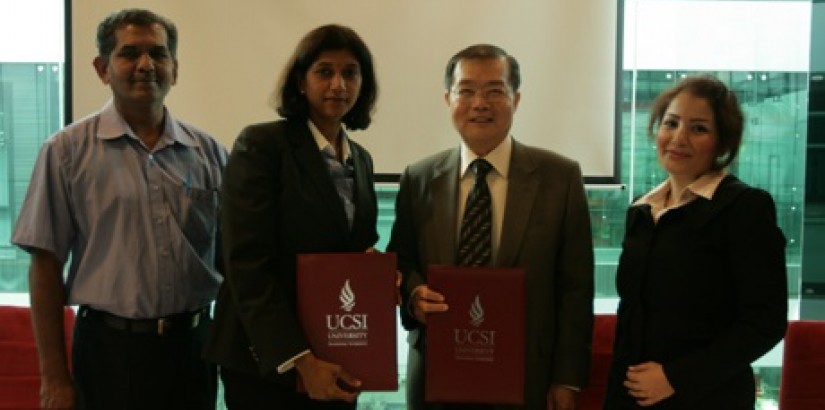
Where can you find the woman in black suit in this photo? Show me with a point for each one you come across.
(297, 185)
(701, 278)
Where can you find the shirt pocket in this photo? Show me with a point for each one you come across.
(197, 216)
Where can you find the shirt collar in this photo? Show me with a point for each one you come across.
(704, 186)
(499, 157)
(113, 126)
(323, 143)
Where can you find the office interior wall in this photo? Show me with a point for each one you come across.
(231, 53)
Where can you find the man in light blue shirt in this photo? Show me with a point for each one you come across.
(130, 196)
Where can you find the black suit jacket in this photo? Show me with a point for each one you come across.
(279, 200)
(703, 292)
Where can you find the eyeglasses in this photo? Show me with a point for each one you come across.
(489, 94)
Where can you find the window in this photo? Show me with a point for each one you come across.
(31, 109)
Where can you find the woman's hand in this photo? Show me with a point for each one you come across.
(326, 381)
(398, 288)
(648, 383)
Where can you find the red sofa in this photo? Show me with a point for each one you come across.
(803, 366)
(592, 397)
(19, 371)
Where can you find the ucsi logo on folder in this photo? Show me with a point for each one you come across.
(475, 350)
(346, 306)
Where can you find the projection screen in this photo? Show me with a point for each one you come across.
(231, 53)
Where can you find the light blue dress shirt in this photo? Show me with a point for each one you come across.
(140, 225)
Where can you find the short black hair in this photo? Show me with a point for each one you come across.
(106, 40)
(482, 52)
(727, 113)
(287, 98)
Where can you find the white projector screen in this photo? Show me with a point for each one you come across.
(231, 54)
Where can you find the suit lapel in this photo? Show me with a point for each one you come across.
(445, 189)
(309, 157)
(522, 186)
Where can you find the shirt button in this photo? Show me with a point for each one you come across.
(154, 187)
(164, 252)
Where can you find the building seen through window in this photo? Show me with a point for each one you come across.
(31, 108)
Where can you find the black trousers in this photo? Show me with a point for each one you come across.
(244, 391)
(125, 370)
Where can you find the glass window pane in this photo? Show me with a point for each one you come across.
(31, 109)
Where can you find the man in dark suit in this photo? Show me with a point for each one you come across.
(539, 221)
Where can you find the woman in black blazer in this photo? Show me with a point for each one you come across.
(702, 276)
(298, 185)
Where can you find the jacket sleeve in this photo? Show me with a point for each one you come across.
(574, 289)
(250, 240)
(404, 242)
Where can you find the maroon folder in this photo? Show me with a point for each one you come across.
(475, 350)
(346, 305)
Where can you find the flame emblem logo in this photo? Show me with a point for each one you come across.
(347, 298)
(476, 313)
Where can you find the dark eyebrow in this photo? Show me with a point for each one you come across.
(700, 119)
(329, 63)
(703, 120)
(131, 47)
(487, 84)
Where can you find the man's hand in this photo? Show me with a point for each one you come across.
(425, 301)
(47, 293)
(648, 383)
(56, 394)
(325, 380)
(561, 398)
